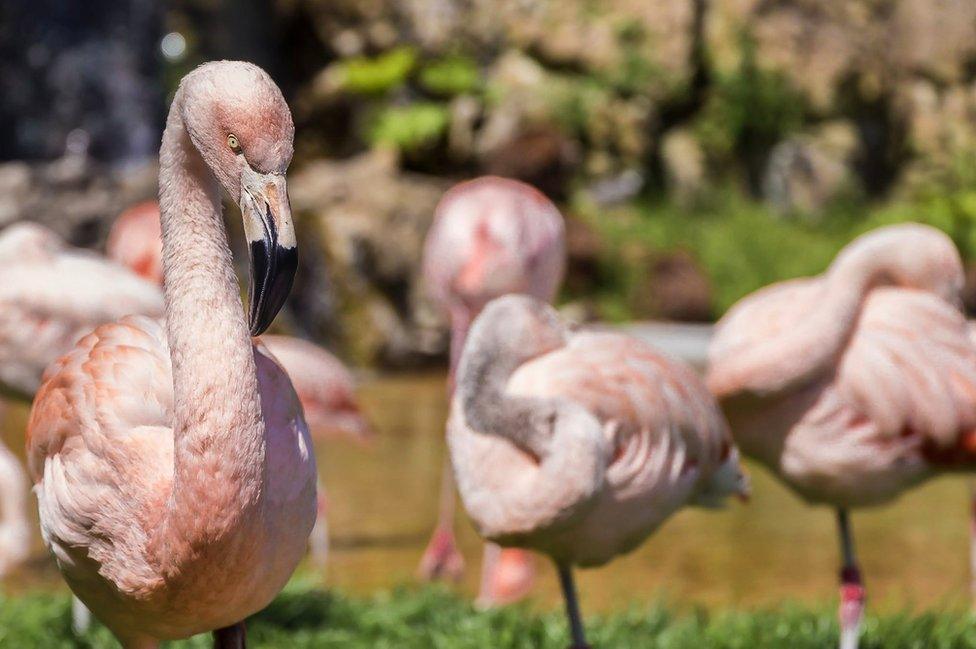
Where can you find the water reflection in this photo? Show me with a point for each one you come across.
(383, 502)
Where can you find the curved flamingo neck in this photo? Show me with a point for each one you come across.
(14, 525)
(218, 428)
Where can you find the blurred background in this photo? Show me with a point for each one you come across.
(699, 149)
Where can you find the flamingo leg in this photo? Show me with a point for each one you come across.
(318, 540)
(231, 637)
(851, 587)
(442, 557)
(507, 576)
(572, 606)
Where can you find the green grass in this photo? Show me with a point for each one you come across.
(434, 618)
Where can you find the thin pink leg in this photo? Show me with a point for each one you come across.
(852, 592)
(442, 557)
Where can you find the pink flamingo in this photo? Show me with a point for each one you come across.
(52, 294)
(490, 237)
(172, 465)
(857, 384)
(579, 445)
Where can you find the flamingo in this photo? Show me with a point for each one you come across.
(14, 524)
(490, 236)
(52, 294)
(857, 384)
(171, 462)
(579, 444)
(324, 385)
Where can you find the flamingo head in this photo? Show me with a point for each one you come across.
(909, 255)
(238, 120)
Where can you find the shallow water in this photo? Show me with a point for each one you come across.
(382, 501)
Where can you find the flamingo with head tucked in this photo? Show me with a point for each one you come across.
(857, 384)
(172, 465)
(579, 445)
(490, 237)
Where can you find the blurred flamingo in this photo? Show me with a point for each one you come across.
(579, 445)
(14, 524)
(172, 465)
(51, 295)
(490, 237)
(856, 384)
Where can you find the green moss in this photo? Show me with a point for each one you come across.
(749, 110)
(376, 75)
(410, 127)
(449, 76)
(742, 245)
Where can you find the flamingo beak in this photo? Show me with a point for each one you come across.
(272, 246)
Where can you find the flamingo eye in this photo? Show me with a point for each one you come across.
(233, 143)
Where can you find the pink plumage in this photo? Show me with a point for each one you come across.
(857, 384)
(490, 237)
(173, 468)
(579, 445)
(324, 385)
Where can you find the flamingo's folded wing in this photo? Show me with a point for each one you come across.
(910, 367)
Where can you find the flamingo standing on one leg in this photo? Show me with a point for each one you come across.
(579, 445)
(490, 237)
(172, 465)
(857, 384)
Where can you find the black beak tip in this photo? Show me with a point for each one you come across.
(273, 271)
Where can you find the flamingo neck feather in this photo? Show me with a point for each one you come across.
(219, 452)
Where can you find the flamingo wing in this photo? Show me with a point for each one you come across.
(670, 444)
(100, 449)
(762, 326)
(910, 368)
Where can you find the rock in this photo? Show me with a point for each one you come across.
(805, 173)
(674, 288)
(371, 221)
(75, 196)
(584, 249)
(683, 161)
(542, 157)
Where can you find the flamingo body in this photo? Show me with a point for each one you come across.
(172, 462)
(655, 442)
(490, 237)
(857, 384)
(100, 452)
(878, 398)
